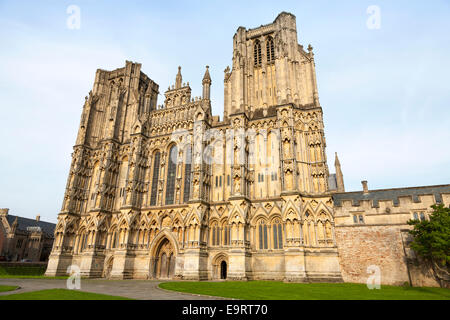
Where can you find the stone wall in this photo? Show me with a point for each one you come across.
(363, 246)
(383, 246)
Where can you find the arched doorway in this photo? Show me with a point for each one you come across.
(220, 267)
(223, 270)
(164, 260)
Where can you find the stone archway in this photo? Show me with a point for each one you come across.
(220, 267)
(164, 260)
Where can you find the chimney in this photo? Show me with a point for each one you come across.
(38, 218)
(365, 187)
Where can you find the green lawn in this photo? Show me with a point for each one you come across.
(15, 276)
(25, 272)
(7, 288)
(268, 290)
(60, 294)
(22, 270)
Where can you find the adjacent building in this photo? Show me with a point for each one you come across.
(372, 232)
(25, 239)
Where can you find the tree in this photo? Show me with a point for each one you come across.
(432, 241)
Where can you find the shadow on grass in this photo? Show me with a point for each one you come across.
(18, 276)
(60, 294)
(8, 288)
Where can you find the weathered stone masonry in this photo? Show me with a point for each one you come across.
(142, 202)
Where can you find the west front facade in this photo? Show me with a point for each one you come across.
(172, 192)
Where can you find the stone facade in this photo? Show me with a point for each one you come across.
(171, 191)
(23, 238)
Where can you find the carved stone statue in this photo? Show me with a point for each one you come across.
(286, 147)
(237, 185)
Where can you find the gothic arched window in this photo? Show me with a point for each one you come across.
(187, 175)
(226, 235)
(270, 50)
(171, 173)
(95, 183)
(84, 242)
(115, 240)
(155, 178)
(262, 235)
(215, 235)
(122, 181)
(257, 52)
(277, 235)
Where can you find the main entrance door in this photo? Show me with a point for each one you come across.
(164, 261)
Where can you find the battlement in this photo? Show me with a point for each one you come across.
(270, 27)
(396, 196)
(128, 76)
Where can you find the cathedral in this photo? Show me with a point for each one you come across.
(171, 191)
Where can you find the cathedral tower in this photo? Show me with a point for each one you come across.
(269, 68)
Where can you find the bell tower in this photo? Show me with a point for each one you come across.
(269, 68)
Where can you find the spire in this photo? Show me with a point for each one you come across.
(206, 77)
(336, 161)
(206, 85)
(178, 79)
(339, 175)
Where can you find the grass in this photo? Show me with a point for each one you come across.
(8, 288)
(25, 272)
(60, 294)
(22, 270)
(15, 276)
(268, 290)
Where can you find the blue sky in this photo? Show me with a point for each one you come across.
(385, 92)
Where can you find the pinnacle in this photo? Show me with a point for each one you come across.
(207, 75)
